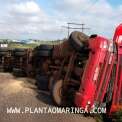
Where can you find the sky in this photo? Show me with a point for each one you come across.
(43, 19)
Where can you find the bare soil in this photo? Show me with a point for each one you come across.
(21, 92)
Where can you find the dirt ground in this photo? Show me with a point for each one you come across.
(21, 93)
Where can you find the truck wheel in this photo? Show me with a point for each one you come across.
(42, 82)
(44, 53)
(56, 92)
(4, 49)
(3, 53)
(19, 50)
(45, 47)
(18, 72)
(8, 69)
(1, 69)
(19, 53)
(78, 40)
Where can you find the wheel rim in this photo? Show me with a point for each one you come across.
(57, 92)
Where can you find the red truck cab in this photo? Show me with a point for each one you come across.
(86, 93)
(96, 76)
(117, 89)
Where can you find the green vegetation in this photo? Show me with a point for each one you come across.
(18, 45)
(35, 43)
(98, 118)
(118, 116)
(31, 45)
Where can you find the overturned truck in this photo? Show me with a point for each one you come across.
(83, 71)
(60, 67)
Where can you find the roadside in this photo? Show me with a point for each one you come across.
(21, 92)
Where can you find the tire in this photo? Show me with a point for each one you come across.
(4, 49)
(78, 40)
(19, 50)
(18, 72)
(56, 92)
(7, 68)
(19, 53)
(42, 82)
(3, 53)
(44, 53)
(45, 47)
(1, 68)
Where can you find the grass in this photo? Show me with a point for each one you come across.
(118, 116)
(33, 45)
(98, 118)
(17, 45)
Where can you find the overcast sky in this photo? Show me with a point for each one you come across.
(42, 19)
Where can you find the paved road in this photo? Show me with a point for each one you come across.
(21, 93)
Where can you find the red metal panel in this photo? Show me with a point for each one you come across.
(98, 55)
(117, 91)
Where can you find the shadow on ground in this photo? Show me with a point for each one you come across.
(45, 97)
